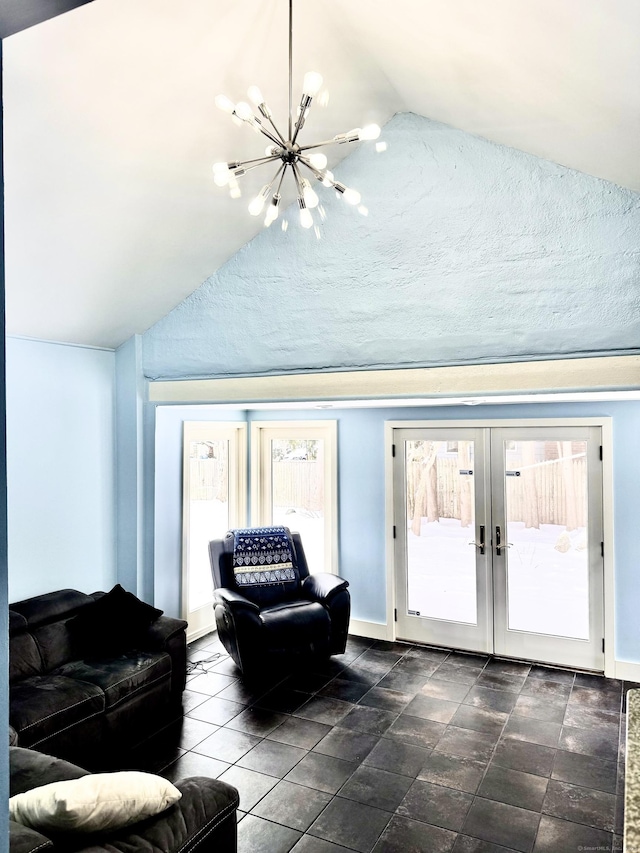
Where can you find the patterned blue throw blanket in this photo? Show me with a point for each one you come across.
(262, 555)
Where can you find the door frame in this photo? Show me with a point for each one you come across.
(606, 425)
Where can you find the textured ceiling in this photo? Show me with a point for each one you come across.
(112, 217)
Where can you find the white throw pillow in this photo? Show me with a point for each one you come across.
(94, 803)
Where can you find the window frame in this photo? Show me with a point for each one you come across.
(235, 432)
(262, 432)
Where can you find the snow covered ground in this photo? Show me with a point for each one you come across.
(548, 588)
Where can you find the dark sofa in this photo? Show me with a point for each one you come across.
(202, 821)
(91, 703)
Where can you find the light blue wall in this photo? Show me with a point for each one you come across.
(61, 468)
(471, 252)
(361, 516)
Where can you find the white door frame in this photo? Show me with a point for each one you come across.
(604, 422)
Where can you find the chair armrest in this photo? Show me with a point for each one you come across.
(234, 599)
(323, 586)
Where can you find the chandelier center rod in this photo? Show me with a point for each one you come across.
(290, 68)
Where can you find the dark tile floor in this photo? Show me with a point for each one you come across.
(395, 748)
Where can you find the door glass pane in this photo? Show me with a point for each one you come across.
(548, 557)
(297, 493)
(441, 562)
(208, 512)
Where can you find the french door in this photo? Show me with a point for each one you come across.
(499, 541)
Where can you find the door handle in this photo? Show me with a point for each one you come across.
(481, 543)
(499, 543)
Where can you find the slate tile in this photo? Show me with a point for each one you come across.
(606, 699)
(346, 744)
(430, 708)
(210, 683)
(416, 666)
(193, 764)
(490, 700)
(309, 844)
(351, 824)
(501, 681)
(556, 835)
(251, 786)
(528, 757)
(457, 672)
(545, 688)
(256, 722)
(403, 835)
(298, 732)
(323, 710)
(438, 806)
(416, 731)
(448, 690)
(496, 666)
(533, 731)
(374, 721)
(476, 745)
(256, 835)
(227, 745)
(405, 682)
(480, 719)
(502, 824)
(282, 699)
(387, 700)
(467, 844)
(216, 711)
(272, 758)
(476, 661)
(322, 772)
(295, 806)
(580, 805)
(375, 787)
(539, 708)
(550, 673)
(452, 771)
(583, 717)
(343, 688)
(513, 787)
(585, 770)
(395, 757)
(589, 742)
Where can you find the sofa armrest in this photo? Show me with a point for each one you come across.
(25, 840)
(323, 586)
(204, 819)
(163, 630)
(234, 599)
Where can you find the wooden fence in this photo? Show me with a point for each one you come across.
(296, 483)
(544, 485)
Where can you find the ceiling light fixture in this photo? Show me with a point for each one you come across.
(301, 160)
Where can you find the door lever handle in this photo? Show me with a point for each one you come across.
(500, 544)
(481, 543)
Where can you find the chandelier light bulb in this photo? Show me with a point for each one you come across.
(257, 204)
(318, 160)
(244, 111)
(255, 95)
(311, 84)
(309, 195)
(234, 188)
(327, 180)
(369, 132)
(381, 146)
(306, 219)
(352, 196)
(225, 104)
(273, 210)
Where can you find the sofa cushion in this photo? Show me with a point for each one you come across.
(114, 623)
(296, 623)
(122, 676)
(28, 769)
(43, 705)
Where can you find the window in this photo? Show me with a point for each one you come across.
(214, 499)
(294, 483)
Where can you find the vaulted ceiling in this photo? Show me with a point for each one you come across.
(112, 216)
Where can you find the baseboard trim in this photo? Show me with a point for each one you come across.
(372, 630)
(627, 670)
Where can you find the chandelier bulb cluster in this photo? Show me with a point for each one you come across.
(301, 161)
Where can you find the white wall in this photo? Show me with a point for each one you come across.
(60, 468)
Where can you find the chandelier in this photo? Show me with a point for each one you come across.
(302, 161)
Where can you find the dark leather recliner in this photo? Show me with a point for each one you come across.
(307, 615)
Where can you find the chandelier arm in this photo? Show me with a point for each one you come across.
(284, 171)
(256, 165)
(264, 132)
(320, 144)
(296, 176)
(316, 172)
(278, 134)
(240, 164)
